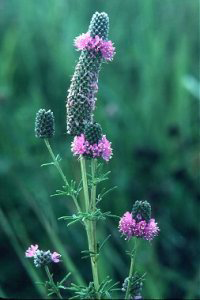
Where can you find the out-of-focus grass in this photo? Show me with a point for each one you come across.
(148, 106)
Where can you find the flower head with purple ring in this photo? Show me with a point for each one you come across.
(42, 257)
(80, 146)
(85, 41)
(129, 227)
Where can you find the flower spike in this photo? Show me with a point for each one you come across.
(81, 97)
(42, 258)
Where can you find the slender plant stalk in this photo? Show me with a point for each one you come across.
(85, 184)
(93, 189)
(57, 165)
(91, 225)
(133, 255)
(54, 287)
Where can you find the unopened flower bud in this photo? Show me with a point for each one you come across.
(93, 133)
(42, 258)
(141, 211)
(44, 124)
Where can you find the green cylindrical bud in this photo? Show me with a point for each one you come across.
(141, 211)
(93, 133)
(42, 258)
(99, 25)
(44, 124)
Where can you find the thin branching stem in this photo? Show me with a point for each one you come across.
(93, 223)
(53, 286)
(133, 255)
(85, 184)
(57, 165)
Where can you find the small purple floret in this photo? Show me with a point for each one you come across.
(80, 146)
(55, 257)
(107, 50)
(126, 225)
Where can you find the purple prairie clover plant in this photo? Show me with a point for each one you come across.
(139, 223)
(42, 258)
(89, 142)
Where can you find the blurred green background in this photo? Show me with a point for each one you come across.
(148, 105)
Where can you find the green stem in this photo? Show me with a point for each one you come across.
(133, 255)
(93, 207)
(57, 165)
(91, 225)
(85, 184)
(54, 287)
(93, 189)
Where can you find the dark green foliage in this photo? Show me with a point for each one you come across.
(81, 95)
(93, 133)
(136, 285)
(82, 292)
(44, 124)
(42, 258)
(105, 290)
(141, 211)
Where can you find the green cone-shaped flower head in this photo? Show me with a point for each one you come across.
(93, 133)
(141, 211)
(44, 124)
(81, 97)
(42, 258)
(99, 25)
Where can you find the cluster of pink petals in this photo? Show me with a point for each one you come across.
(85, 41)
(80, 146)
(55, 257)
(31, 252)
(142, 229)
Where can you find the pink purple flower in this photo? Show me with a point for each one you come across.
(139, 228)
(129, 227)
(126, 225)
(30, 252)
(85, 41)
(151, 230)
(55, 257)
(107, 50)
(80, 146)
